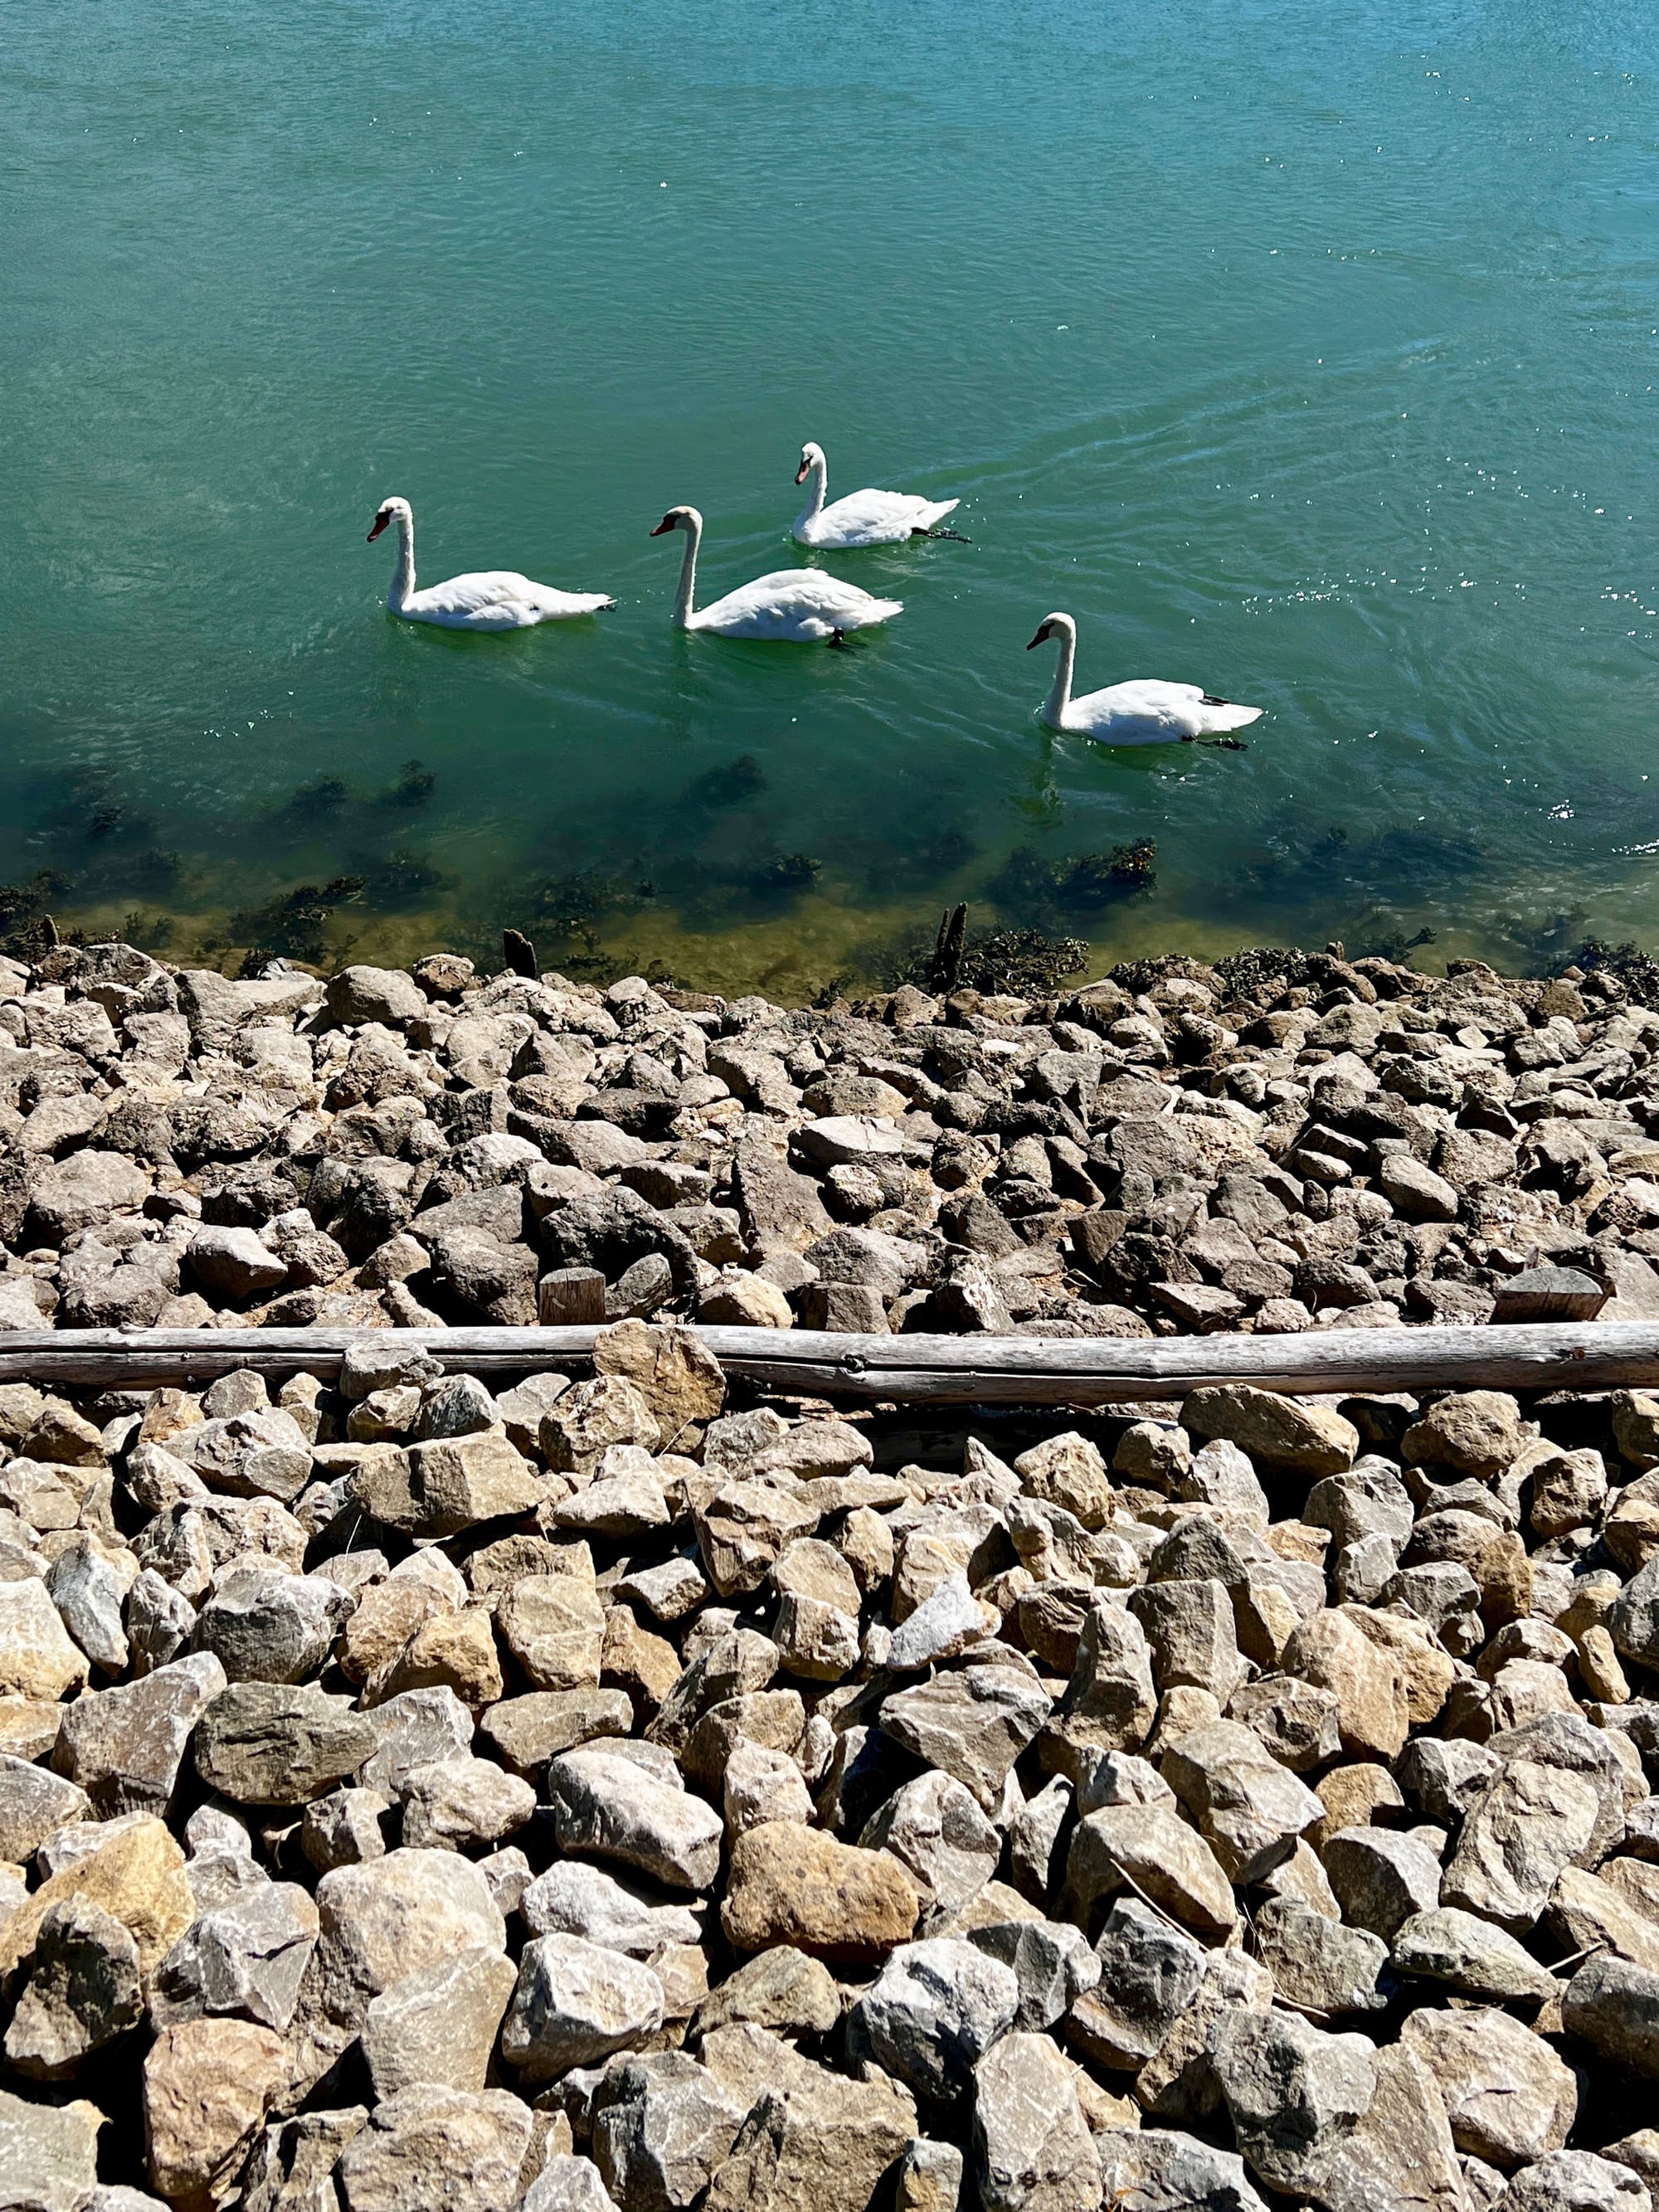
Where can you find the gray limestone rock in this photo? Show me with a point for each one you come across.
(439, 2024)
(264, 1625)
(83, 1991)
(477, 2142)
(572, 1898)
(1575, 2181)
(662, 2126)
(1150, 1972)
(124, 1746)
(1248, 1808)
(935, 1828)
(1292, 2092)
(1319, 1963)
(412, 1730)
(247, 1956)
(1614, 2005)
(1163, 2170)
(457, 1802)
(972, 1725)
(607, 1806)
(48, 2154)
(1032, 2149)
(265, 1743)
(575, 2002)
(1381, 1877)
(34, 1800)
(932, 2012)
(1050, 1960)
(1471, 1955)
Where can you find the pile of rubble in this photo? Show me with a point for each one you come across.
(1211, 1149)
(602, 1794)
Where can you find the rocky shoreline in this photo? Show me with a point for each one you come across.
(1282, 1142)
(626, 1789)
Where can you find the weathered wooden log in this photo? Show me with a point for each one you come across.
(937, 1369)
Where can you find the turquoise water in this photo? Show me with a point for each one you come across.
(1305, 353)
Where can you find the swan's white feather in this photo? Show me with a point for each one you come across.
(796, 604)
(497, 598)
(872, 518)
(1147, 711)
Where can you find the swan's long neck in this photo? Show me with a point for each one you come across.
(403, 576)
(684, 598)
(1060, 697)
(819, 475)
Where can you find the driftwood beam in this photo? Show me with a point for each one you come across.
(937, 1369)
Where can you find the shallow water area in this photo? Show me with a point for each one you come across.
(1307, 357)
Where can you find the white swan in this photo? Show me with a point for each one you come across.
(863, 517)
(1140, 713)
(490, 598)
(798, 605)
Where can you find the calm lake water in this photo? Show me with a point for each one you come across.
(1306, 353)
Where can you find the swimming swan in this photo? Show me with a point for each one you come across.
(1141, 712)
(492, 598)
(798, 605)
(864, 518)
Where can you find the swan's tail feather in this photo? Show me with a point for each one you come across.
(1227, 714)
(878, 611)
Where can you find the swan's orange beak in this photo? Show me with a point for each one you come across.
(381, 522)
(667, 523)
(801, 473)
(1036, 641)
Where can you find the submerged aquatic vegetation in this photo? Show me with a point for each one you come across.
(25, 923)
(1634, 973)
(1036, 890)
(291, 925)
(415, 786)
(734, 785)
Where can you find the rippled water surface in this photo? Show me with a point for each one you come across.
(1308, 353)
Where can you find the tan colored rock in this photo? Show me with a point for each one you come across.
(745, 1527)
(1352, 1796)
(207, 2085)
(1425, 1665)
(1474, 1432)
(646, 1665)
(391, 1611)
(1068, 1470)
(814, 2141)
(1153, 1847)
(1590, 1914)
(429, 2145)
(138, 1877)
(36, 1657)
(452, 1649)
(1282, 1434)
(797, 1886)
(1504, 1574)
(1509, 2098)
(1334, 1652)
(554, 1625)
(582, 1425)
(680, 1379)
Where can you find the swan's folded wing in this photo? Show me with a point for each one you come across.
(795, 603)
(875, 518)
(472, 594)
